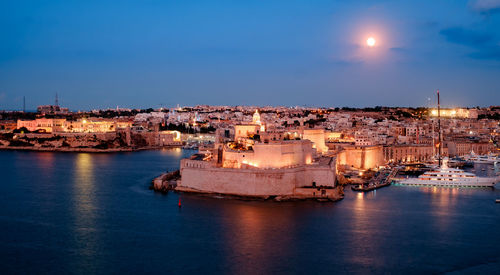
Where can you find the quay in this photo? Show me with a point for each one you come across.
(382, 180)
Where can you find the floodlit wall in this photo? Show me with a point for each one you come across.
(362, 157)
(317, 137)
(202, 176)
(271, 155)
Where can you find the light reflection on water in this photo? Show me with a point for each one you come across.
(443, 200)
(45, 179)
(177, 151)
(84, 209)
(250, 235)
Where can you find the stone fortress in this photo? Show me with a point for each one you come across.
(260, 163)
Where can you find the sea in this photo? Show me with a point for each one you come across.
(84, 213)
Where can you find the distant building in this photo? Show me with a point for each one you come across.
(52, 110)
(95, 125)
(8, 125)
(42, 124)
(455, 113)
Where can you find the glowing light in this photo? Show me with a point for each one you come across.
(434, 112)
(370, 42)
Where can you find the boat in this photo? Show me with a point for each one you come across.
(445, 176)
(482, 158)
(450, 177)
(381, 180)
(460, 162)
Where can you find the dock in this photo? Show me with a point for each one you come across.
(378, 182)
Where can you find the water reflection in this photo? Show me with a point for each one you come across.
(361, 234)
(251, 231)
(85, 207)
(443, 201)
(43, 167)
(177, 152)
(45, 160)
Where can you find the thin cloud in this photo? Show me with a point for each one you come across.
(462, 36)
(483, 44)
(485, 6)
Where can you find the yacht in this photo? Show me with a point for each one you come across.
(450, 177)
(482, 158)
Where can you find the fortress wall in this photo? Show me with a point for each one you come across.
(362, 157)
(252, 182)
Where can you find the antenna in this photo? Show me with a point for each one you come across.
(24, 104)
(57, 100)
(439, 129)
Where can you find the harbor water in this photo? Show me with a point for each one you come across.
(82, 213)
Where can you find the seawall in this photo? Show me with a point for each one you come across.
(303, 182)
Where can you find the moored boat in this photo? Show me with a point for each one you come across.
(450, 177)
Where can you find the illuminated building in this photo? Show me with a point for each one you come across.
(261, 164)
(54, 125)
(455, 113)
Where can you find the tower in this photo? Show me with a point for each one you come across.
(57, 101)
(24, 104)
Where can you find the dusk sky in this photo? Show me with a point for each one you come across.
(140, 54)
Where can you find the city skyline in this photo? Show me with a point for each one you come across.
(281, 53)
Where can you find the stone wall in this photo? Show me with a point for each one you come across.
(362, 157)
(317, 137)
(203, 176)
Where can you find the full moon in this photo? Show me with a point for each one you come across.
(370, 42)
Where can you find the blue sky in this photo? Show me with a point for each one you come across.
(100, 54)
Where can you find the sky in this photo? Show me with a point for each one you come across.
(141, 54)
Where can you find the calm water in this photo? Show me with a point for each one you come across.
(93, 213)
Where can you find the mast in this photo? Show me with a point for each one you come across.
(439, 130)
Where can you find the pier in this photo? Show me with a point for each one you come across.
(381, 180)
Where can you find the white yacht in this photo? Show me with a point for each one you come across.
(450, 177)
(482, 158)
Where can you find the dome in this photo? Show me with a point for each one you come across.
(256, 117)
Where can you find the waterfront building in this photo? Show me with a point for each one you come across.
(287, 169)
(42, 124)
(55, 125)
(409, 153)
(458, 148)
